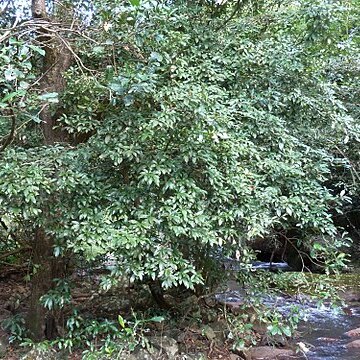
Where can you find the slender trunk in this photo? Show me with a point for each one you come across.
(40, 321)
(57, 59)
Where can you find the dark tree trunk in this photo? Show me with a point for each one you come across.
(42, 322)
(157, 293)
(45, 269)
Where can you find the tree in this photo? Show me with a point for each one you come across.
(55, 59)
(158, 132)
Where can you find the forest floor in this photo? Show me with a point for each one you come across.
(198, 327)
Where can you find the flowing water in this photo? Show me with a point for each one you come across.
(323, 328)
(324, 332)
(326, 326)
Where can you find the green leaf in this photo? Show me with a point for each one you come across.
(134, 2)
(128, 100)
(50, 97)
(57, 251)
(286, 330)
(12, 95)
(98, 49)
(155, 56)
(38, 49)
(121, 321)
(10, 74)
(157, 319)
(107, 139)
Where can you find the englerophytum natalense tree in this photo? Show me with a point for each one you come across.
(157, 132)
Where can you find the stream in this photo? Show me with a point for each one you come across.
(325, 332)
(323, 327)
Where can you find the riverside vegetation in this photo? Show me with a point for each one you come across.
(144, 143)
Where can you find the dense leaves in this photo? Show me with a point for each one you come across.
(189, 126)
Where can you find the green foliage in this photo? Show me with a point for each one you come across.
(58, 297)
(255, 316)
(15, 325)
(189, 126)
(265, 307)
(99, 338)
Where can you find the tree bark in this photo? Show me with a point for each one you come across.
(157, 293)
(41, 322)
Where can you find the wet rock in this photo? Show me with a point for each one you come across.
(353, 333)
(190, 303)
(271, 353)
(221, 330)
(350, 295)
(174, 333)
(353, 345)
(165, 345)
(277, 341)
(210, 301)
(235, 307)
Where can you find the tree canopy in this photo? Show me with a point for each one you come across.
(157, 132)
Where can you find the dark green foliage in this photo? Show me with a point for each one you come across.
(190, 126)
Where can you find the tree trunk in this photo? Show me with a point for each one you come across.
(157, 293)
(40, 321)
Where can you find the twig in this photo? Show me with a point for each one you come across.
(301, 254)
(77, 58)
(8, 32)
(16, 266)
